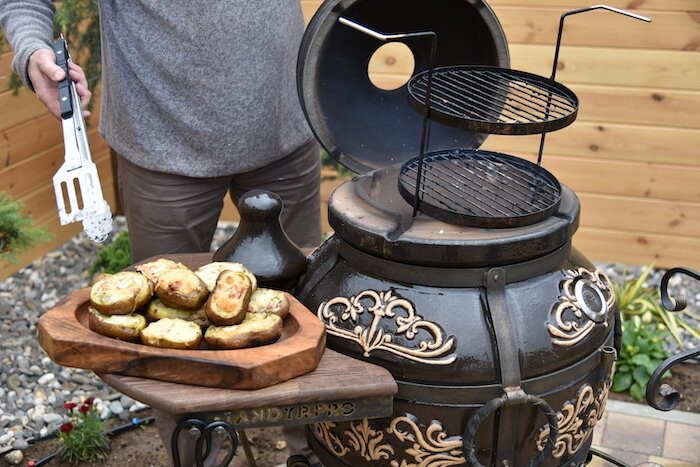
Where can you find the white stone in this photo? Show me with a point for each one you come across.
(14, 457)
(115, 407)
(137, 406)
(46, 379)
(52, 418)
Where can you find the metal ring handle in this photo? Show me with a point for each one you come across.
(495, 404)
(204, 440)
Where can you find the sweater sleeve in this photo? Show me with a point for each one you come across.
(28, 26)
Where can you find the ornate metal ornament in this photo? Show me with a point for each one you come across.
(429, 448)
(324, 432)
(585, 300)
(367, 442)
(576, 420)
(432, 449)
(391, 317)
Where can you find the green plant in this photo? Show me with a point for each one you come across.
(634, 299)
(114, 257)
(84, 438)
(16, 232)
(79, 22)
(641, 353)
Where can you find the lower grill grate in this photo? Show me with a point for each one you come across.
(480, 188)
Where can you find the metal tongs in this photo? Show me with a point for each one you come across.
(76, 183)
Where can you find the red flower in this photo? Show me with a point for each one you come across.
(31, 464)
(70, 405)
(89, 400)
(85, 408)
(66, 427)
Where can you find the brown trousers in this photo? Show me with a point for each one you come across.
(168, 213)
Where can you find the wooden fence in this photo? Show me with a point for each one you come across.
(632, 156)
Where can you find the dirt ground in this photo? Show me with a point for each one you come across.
(142, 446)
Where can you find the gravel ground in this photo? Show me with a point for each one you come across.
(33, 389)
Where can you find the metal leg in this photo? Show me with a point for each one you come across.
(298, 461)
(203, 432)
(607, 457)
(246, 448)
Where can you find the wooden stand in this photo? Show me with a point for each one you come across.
(339, 389)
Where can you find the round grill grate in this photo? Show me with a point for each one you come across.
(477, 188)
(494, 100)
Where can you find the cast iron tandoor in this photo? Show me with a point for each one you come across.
(450, 266)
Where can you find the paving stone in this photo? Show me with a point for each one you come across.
(599, 431)
(682, 442)
(628, 457)
(646, 436)
(671, 462)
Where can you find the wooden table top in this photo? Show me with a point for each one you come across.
(337, 377)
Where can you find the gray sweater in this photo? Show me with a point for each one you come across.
(191, 87)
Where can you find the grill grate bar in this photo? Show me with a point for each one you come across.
(476, 106)
(543, 91)
(521, 102)
(519, 92)
(487, 186)
(496, 100)
(513, 191)
(526, 183)
(513, 103)
(452, 99)
(477, 205)
(492, 196)
(451, 94)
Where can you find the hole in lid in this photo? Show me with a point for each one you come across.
(391, 66)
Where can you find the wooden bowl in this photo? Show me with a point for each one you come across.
(65, 336)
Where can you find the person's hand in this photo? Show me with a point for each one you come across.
(44, 74)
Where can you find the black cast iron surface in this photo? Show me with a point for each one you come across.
(367, 212)
(480, 188)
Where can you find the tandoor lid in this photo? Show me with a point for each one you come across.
(362, 126)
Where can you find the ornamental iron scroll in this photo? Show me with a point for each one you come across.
(432, 449)
(576, 420)
(429, 446)
(392, 316)
(325, 431)
(670, 397)
(367, 442)
(585, 299)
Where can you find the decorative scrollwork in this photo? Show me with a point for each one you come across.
(367, 441)
(324, 432)
(576, 420)
(434, 449)
(431, 345)
(586, 297)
